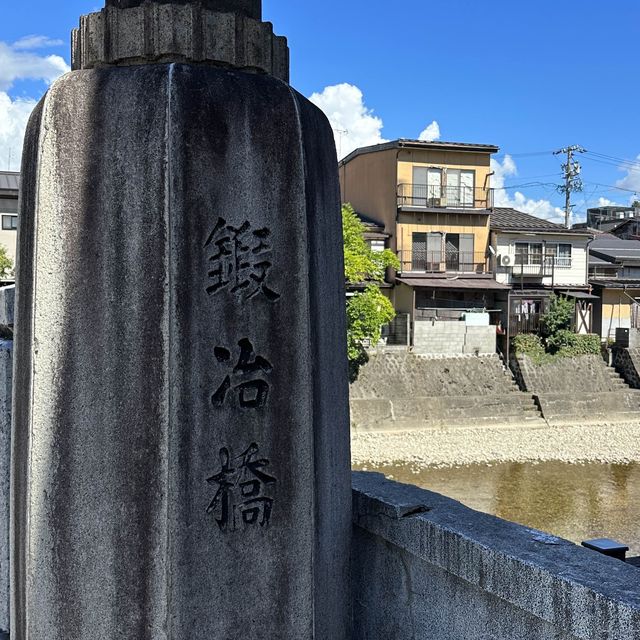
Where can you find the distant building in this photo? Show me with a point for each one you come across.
(461, 258)
(610, 218)
(9, 188)
(614, 274)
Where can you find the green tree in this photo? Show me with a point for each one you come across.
(367, 310)
(6, 263)
(559, 317)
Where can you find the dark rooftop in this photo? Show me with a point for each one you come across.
(613, 249)
(506, 219)
(9, 181)
(406, 143)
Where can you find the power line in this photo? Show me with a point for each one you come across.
(618, 161)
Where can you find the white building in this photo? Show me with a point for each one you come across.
(536, 258)
(9, 187)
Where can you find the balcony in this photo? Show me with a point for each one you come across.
(535, 265)
(457, 262)
(422, 196)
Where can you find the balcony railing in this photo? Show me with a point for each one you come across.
(537, 265)
(443, 262)
(429, 196)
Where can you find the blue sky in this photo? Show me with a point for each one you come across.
(529, 77)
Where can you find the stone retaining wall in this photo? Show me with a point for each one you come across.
(402, 374)
(580, 374)
(404, 391)
(425, 566)
(577, 390)
(627, 363)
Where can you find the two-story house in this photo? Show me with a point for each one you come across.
(536, 258)
(434, 201)
(9, 188)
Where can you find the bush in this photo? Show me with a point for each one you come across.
(578, 345)
(529, 344)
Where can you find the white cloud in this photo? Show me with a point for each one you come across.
(632, 180)
(14, 115)
(36, 42)
(431, 132)
(16, 64)
(353, 123)
(504, 198)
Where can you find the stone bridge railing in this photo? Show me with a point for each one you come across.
(425, 566)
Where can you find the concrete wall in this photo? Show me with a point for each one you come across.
(452, 338)
(425, 566)
(575, 275)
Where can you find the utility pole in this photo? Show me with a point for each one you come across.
(572, 181)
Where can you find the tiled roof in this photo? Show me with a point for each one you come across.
(613, 249)
(9, 181)
(506, 219)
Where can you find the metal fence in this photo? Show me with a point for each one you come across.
(460, 197)
(443, 262)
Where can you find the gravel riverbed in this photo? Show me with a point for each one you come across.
(607, 443)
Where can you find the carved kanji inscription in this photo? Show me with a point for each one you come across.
(243, 485)
(239, 261)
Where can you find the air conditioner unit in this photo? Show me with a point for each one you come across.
(505, 261)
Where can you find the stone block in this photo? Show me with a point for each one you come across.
(134, 32)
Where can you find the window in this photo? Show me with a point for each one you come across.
(9, 223)
(376, 245)
(426, 251)
(8, 205)
(427, 186)
(528, 253)
(561, 254)
(460, 187)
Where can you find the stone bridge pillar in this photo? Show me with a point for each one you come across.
(181, 440)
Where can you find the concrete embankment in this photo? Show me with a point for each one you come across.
(610, 443)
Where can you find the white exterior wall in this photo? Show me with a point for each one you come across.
(8, 239)
(573, 276)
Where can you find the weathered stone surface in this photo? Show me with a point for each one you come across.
(154, 32)
(577, 390)
(152, 363)
(7, 296)
(627, 364)
(250, 8)
(425, 566)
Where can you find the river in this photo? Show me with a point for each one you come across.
(572, 501)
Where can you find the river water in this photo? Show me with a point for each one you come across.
(573, 501)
